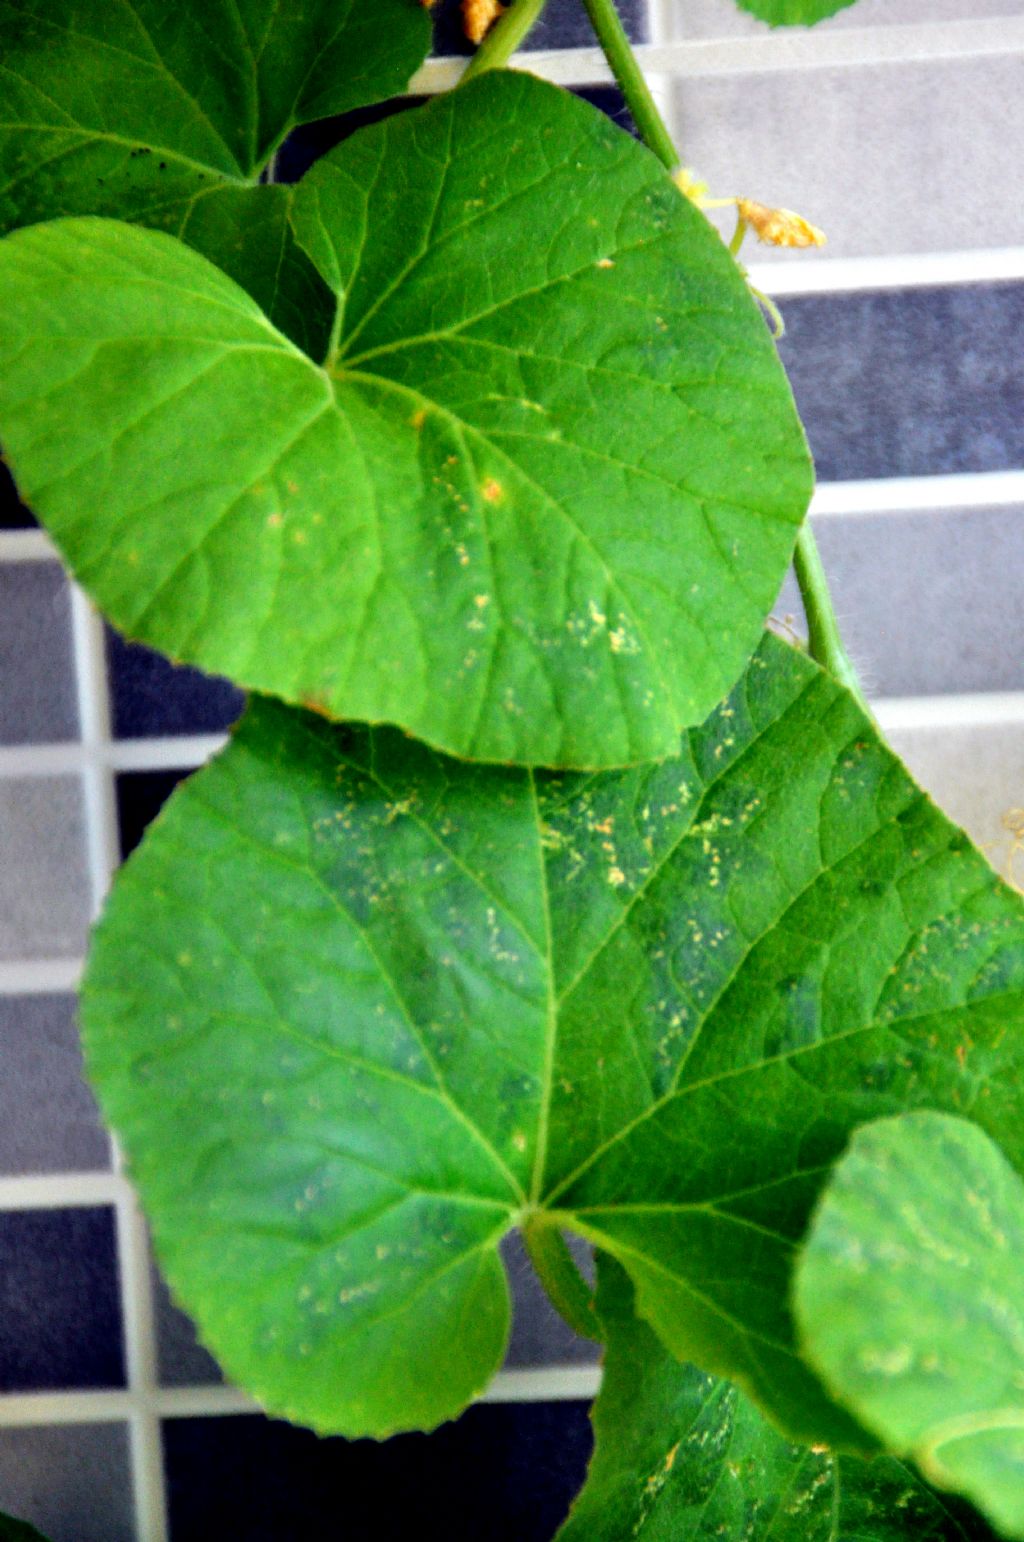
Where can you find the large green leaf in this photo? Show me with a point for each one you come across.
(910, 1298)
(138, 108)
(793, 13)
(356, 1009)
(683, 1457)
(535, 510)
(167, 114)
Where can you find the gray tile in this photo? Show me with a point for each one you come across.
(72, 1481)
(720, 18)
(44, 889)
(37, 680)
(49, 1121)
(902, 157)
(929, 602)
(909, 382)
(976, 774)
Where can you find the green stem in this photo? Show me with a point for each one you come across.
(618, 50)
(824, 640)
(560, 1277)
(826, 645)
(504, 38)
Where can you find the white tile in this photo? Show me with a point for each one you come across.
(894, 158)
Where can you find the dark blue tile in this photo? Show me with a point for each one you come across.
(151, 696)
(60, 1311)
(303, 148)
(140, 797)
(181, 1359)
(13, 513)
(507, 1472)
(564, 24)
(49, 1121)
(910, 382)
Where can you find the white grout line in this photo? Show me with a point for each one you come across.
(978, 709)
(39, 976)
(905, 495)
(60, 1191)
(183, 753)
(103, 849)
(25, 546)
(811, 274)
(546, 1384)
(916, 42)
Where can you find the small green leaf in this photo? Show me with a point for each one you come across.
(910, 1300)
(356, 1009)
(167, 114)
(793, 13)
(536, 509)
(682, 1457)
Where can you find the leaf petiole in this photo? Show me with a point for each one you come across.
(618, 50)
(504, 38)
(556, 1269)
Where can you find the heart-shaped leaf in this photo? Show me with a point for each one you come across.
(683, 1457)
(536, 508)
(910, 1300)
(356, 1009)
(138, 108)
(166, 115)
(793, 13)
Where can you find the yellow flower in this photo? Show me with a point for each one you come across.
(479, 16)
(779, 227)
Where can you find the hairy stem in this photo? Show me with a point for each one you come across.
(504, 37)
(564, 1283)
(823, 637)
(823, 629)
(618, 50)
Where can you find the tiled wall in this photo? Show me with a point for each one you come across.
(896, 126)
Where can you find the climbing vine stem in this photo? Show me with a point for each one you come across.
(504, 37)
(824, 640)
(618, 50)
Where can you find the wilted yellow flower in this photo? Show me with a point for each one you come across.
(779, 227)
(479, 16)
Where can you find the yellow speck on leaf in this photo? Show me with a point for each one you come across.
(274, 521)
(606, 262)
(418, 418)
(492, 490)
(779, 227)
(479, 16)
